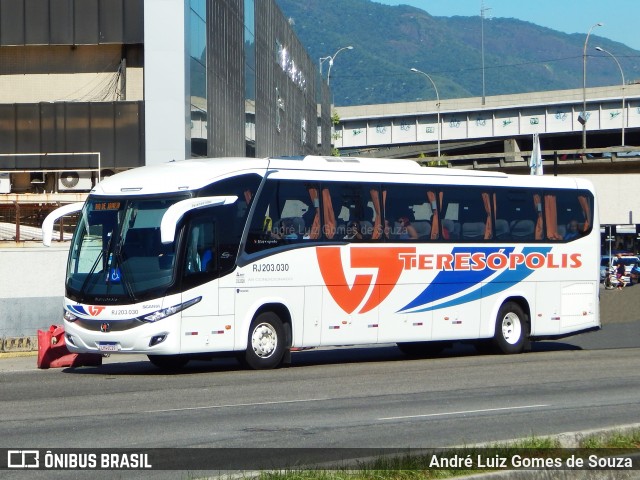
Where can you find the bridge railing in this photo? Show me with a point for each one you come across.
(521, 159)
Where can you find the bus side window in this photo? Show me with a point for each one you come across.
(200, 249)
(518, 215)
(573, 214)
(409, 212)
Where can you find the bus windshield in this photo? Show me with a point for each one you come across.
(116, 252)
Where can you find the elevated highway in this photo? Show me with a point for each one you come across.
(476, 134)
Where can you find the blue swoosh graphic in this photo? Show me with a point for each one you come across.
(447, 283)
(78, 309)
(504, 280)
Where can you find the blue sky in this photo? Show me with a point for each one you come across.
(620, 18)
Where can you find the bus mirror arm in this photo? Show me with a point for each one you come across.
(47, 225)
(176, 211)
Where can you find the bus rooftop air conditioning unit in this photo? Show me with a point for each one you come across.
(74, 181)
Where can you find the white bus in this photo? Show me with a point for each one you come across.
(261, 256)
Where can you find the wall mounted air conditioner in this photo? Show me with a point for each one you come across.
(5, 183)
(74, 181)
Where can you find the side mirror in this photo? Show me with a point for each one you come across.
(47, 225)
(176, 211)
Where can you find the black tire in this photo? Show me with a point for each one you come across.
(168, 362)
(421, 349)
(266, 342)
(512, 329)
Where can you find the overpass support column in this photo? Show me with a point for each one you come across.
(512, 150)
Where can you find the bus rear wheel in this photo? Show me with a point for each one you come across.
(266, 342)
(512, 328)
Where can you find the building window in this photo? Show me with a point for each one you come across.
(198, 67)
(250, 75)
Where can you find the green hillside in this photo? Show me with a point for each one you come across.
(519, 56)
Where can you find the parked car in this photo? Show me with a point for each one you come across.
(609, 264)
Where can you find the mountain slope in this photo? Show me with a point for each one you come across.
(388, 41)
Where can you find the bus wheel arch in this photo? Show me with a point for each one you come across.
(269, 338)
(512, 326)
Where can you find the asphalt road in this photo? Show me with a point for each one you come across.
(347, 397)
(367, 397)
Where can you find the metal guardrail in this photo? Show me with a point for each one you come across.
(21, 222)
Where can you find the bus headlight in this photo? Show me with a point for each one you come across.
(69, 317)
(167, 312)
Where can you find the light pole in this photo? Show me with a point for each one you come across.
(331, 58)
(600, 49)
(584, 91)
(483, 10)
(415, 70)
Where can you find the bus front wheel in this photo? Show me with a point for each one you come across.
(266, 345)
(512, 328)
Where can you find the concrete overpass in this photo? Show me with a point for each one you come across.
(502, 124)
(498, 135)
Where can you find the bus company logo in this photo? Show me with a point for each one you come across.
(388, 263)
(91, 310)
(23, 459)
(462, 269)
(94, 311)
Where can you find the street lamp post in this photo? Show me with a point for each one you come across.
(600, 49)
(584, 90)
(483, 10)
(331, 58)
(415, 70)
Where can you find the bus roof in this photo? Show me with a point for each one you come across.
(185, 175)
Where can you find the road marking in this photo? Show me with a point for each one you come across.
(206, 407)
(462, 412)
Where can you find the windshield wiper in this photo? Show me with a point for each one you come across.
(123, 278)
(92, 270)
(119, 261)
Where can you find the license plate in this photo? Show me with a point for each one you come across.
(108, 347)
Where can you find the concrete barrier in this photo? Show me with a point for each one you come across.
(32, 292)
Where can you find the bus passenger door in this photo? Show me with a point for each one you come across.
(205, 326)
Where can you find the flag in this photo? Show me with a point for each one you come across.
(535, 163)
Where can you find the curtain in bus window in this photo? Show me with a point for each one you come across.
(446, 234)
(486, 199)
(586, 209)
(551, 217)
(537, 203)
(377, 226)
(435, 218)
(314, 232)
(329, 214)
